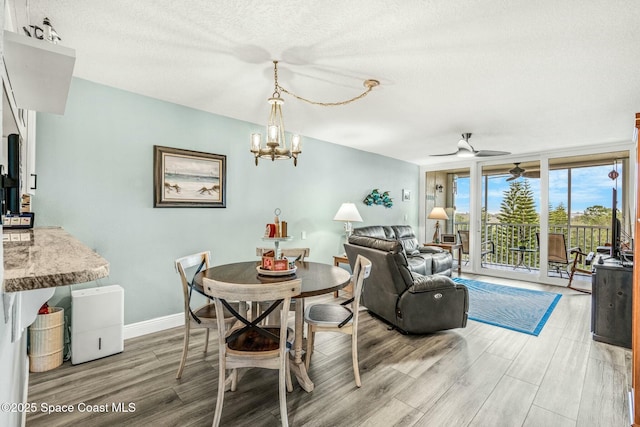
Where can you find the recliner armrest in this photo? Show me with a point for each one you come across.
(430, 283)
(430, 250)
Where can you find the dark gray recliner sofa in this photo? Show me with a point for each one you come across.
(409, 285)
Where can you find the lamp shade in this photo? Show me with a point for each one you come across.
(348, 212)
(438, 213)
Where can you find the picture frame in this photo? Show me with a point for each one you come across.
(188, 179)
(448, 238)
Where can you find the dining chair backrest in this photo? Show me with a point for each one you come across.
(300, 253)
(361, 271)
(189, 262)
(251, 292)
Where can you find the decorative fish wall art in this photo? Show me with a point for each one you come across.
(377, 198)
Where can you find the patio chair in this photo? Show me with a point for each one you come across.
(488, 247)
(561, 259)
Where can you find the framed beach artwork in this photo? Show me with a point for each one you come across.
(188, 179)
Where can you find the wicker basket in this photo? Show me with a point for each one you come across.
(46, 340)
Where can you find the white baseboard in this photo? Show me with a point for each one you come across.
(153, 325)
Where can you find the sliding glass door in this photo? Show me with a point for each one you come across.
(508, 211)
(510, 216)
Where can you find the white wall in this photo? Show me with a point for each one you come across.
(95, 179)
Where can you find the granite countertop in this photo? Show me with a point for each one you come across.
(46, 257)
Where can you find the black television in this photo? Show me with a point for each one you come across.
(11, 180)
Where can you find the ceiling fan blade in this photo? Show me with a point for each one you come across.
(441, 155)
(512, 177)
(532, 174)
(489, 153)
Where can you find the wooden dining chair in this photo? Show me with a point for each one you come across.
(248, 343)
(339, 317)
(300, 254)
(203, 317)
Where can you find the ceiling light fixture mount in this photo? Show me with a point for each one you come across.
(276, 147)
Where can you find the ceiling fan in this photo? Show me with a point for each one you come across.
(518, 172)
(466, 150)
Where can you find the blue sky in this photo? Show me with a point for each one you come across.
(590, 186)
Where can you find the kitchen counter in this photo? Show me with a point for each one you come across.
(46, 257)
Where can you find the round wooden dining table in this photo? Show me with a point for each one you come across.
(317, 279)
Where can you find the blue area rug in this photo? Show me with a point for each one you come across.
(522, 310)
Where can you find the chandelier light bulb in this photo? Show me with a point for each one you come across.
(256, 140)
(273, 132)
(296, 144)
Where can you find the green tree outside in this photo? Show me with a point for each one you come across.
(518, 207)
(594, 215)
(559, 215)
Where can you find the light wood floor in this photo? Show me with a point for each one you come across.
(478, 376)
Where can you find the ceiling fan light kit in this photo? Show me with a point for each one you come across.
(276, 147)
(518, 172)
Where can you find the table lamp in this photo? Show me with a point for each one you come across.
(348, 213)
(437, 214)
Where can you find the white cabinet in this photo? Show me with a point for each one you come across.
(13, 118)
(40, 72)
(36, 76)
(22, 122)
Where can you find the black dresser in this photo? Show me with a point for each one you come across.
(612, 286)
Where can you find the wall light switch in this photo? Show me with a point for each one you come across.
(303, 235)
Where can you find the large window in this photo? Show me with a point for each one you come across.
(580, 202)
(508, 210)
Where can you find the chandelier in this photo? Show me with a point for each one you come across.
(276, 147)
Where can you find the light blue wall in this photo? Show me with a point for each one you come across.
(95, 179)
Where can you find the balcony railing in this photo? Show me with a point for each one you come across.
(508, 237)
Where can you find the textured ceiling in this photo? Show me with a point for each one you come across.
(522, 76)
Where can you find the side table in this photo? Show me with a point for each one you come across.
(450, 247)
(521, 255)
(337, 260)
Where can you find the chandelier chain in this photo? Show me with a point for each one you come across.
(370, 84)
(328, 104)
(276, 91)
